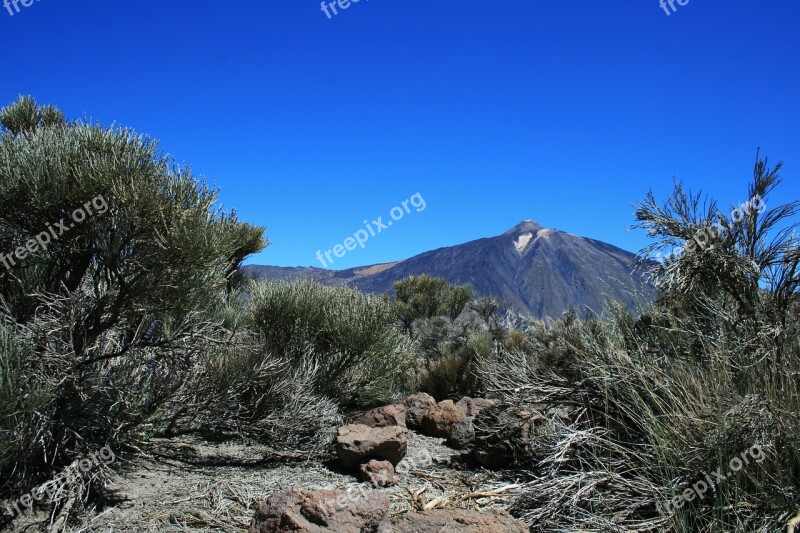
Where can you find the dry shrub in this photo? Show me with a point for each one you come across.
(241, 391)
(645, 426)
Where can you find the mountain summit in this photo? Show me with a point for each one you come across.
(534, 269)
(526, 226)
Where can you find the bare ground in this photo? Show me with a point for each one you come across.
(189, 485)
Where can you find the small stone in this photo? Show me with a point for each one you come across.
(389, 415)
(440, 419)
(379, 473)
(416, 406)
(357, 443)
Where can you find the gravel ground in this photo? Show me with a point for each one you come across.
(188, 485)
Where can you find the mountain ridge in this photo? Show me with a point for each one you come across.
(534, 269)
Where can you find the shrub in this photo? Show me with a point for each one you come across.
(113, 313)
(424, 296)
(659, 401)
(351, 338)
(240, 390)
(646, 425)
(22, 397)
(447, 351)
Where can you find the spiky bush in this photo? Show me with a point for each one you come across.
(660, 400)
(646, 425)
(349, 337)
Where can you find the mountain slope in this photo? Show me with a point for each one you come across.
(532, 268)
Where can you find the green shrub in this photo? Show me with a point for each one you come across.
(447, 351)
(117, 308)
(22, 398)
(351, 338)
(418, 297)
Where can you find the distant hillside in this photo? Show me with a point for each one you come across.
(534, 269)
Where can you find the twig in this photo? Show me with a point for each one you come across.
(187, 499)
(489, 493)
(420, 473)
(434, 503)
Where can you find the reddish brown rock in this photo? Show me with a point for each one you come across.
(389, 415)
(458, 521)
(439, 420)
(324, 511)
(357, 443)
(379, 473)
(473, 406)
(416, 406)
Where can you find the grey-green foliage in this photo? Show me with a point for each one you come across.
(744, 279)
(115, 309)
(707, 372)
(757, 247)
(21, 399)
(648, 423)
(25, 116)
(240, 389)
(162, 244)
(451, 331)
(350, 337)
(424, 296)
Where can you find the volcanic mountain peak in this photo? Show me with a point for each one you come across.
(526, 226)
(525, 233)
(529, 267)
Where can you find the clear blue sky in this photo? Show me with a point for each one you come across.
(565, 112)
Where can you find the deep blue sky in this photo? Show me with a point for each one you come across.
(565, 112)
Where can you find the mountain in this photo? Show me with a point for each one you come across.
(532, 268)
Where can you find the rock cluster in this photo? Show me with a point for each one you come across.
(380, 434)
(374, 442)
(454, 421)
